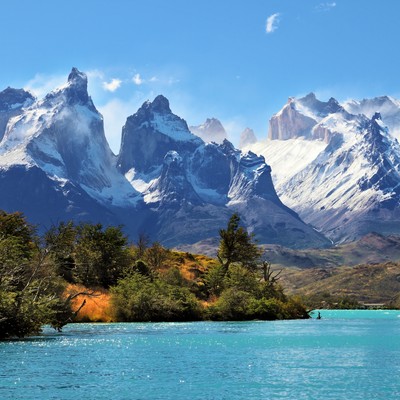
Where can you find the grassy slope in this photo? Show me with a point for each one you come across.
(97, 307)
(368, 283)
(372, 248)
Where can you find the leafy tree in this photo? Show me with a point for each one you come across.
(242, 279)
(60, 242)
(101, 255)
(155, 256)
(214, 279)
(142, 268)
(30, 290)
(237, 245)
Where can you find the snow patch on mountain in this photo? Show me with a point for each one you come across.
(387, 106)
(287, 157)
(174, 128)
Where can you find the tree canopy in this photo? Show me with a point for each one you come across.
(237, 245)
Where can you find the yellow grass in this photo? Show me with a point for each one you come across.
(97, 305)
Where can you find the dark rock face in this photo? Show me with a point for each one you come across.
(45, 202)
(11, 99)
(150, 133)
(211, 166)
(173, 185)
(11, 103)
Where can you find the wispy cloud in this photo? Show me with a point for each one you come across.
(115, 113)
(113, 85)
(42, 84)
(94, 74)
(325, 6)
(272, 23)
(137, 79)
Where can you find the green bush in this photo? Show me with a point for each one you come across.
(232, 305)
(138, 298)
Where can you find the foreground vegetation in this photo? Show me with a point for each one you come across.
(49, 279)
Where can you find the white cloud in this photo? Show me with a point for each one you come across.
(234, 127)
(137, 79)
(114, 114)
(272, 23)
(42, 84)
(113, 85)
(325, 6)
(94, 74)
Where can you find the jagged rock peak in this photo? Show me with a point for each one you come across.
(75, 90)
(375, 130)
(211, 130)
(310, 97)
(172, 188)
(77, 77)
(376, 116)
(11, 99)
(172, 157)
(228, 147)
(213, 122)
(159, 105)
(247, 137)
(320, 108)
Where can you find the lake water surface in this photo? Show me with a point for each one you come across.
(345, 355)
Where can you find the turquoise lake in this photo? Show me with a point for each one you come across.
(345, 355)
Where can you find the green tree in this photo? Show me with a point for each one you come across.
(237, 246)
(214, 279)
(30, 290)
(102, 255)
(60, 242)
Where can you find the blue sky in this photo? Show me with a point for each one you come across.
(235, 60)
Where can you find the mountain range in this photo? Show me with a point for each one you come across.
(337, 165)
(56, 165)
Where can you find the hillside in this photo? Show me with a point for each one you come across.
(372, 248)
(366, 283)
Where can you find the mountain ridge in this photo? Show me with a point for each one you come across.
(165, 180)
(345, 168)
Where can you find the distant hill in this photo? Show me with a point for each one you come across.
(371, 248)
(367, 283)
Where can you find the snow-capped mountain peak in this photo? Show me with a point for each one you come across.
(73, 92)
(12, 102)
(149, 134)
(210, 131)
(247, 137)
(13, 99)
(55, 163)
(63, 135)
